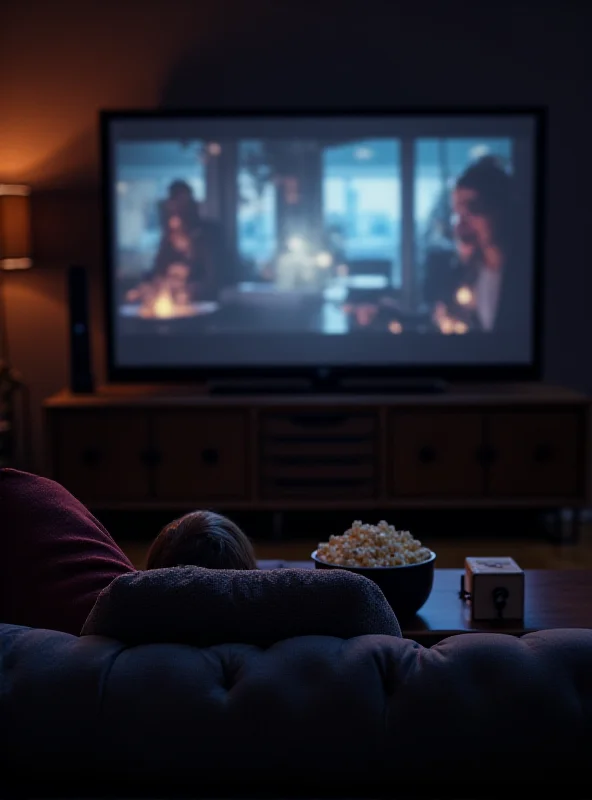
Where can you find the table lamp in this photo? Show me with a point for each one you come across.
(15, 254)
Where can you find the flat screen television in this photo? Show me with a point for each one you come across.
(284, 243)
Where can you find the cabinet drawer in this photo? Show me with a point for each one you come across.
(319, 454)
(202, 456)
(100, 456)
(313, 425)
(436, 454)
(536, 453)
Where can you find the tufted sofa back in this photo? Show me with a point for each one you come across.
(308, 714)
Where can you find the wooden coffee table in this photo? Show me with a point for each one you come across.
(553, 599)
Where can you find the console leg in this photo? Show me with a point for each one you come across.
(555, 526)
(576, 526)
(277, 525)
(567, 527)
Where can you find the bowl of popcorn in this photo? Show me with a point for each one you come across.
(397, 562)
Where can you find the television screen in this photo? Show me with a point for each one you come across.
(374, 240)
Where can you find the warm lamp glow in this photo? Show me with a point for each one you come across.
(15, 227)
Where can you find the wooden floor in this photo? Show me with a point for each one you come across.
(528, 552)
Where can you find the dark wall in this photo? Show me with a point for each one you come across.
(62, 61)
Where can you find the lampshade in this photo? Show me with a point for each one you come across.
(15, 227)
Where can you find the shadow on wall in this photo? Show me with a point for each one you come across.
(345, 55)
(68, 231)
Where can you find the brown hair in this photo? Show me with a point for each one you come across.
(494, 185)
(202, 539)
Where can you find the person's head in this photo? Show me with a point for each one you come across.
(480, 203)
(181, 192)
(182, 204)
(201, 539)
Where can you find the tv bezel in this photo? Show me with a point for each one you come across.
(459, 373)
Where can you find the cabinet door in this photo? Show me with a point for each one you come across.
(436, 454)
(202, 455)
(536, 453)
(99, 456)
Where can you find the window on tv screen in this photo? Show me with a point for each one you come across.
(295, 241)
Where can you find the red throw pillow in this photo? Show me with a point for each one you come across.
(55, 557)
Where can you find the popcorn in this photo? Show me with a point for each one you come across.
(379, 545)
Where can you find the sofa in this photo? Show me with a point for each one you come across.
(355, 714)
(476, 713)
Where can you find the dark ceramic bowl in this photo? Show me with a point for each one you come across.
(406, 588)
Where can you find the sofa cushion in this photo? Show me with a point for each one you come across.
(55, 557)
(200, 606)
(478, 715)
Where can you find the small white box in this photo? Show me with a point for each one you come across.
(495, 587)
